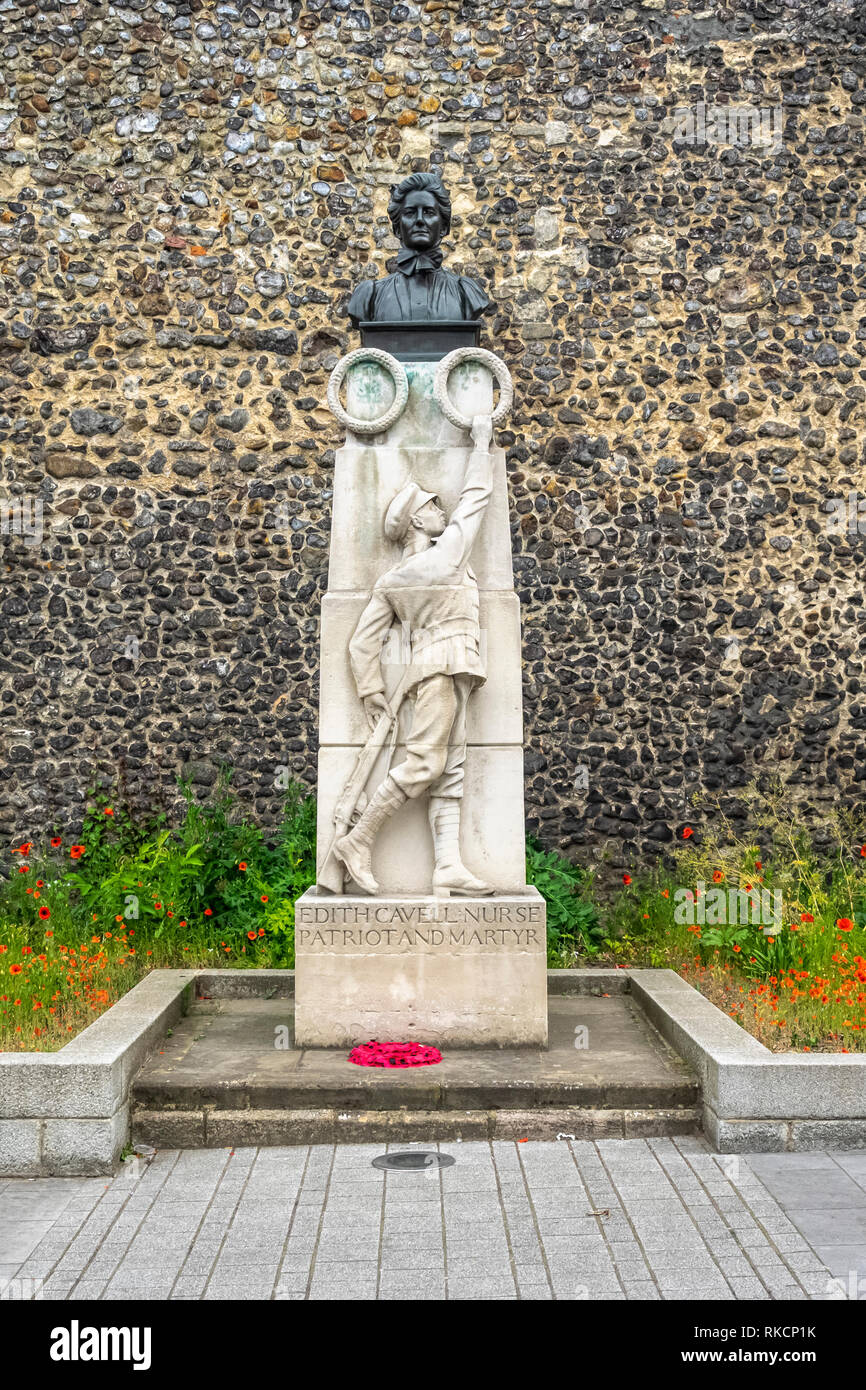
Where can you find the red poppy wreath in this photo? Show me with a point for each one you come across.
(394, 1054)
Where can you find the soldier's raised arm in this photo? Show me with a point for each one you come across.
(456, 542)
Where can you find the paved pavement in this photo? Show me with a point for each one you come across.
(617, 1219)
(824, 1195)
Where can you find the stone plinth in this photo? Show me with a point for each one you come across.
(462, 971)
(406, 965)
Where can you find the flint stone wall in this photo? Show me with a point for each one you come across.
(190, 194)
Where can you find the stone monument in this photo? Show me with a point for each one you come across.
(421, 925)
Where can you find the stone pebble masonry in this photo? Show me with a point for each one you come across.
(189, 196)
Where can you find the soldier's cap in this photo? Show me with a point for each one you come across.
(403, 508)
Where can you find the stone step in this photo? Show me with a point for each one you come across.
(377, 1089)
(217, 1129)
(229, 1075)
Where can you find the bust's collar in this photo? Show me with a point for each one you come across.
(409, 262)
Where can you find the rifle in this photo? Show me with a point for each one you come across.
(331, 875)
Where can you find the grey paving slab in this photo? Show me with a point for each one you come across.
(19, 1238)
(844, 1260)
(832, 1225)
(416, 1284)
(854, 1164)
(508, 1221)
(816, 1189)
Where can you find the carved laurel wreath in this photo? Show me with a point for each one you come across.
(395, 370)
(487, 359)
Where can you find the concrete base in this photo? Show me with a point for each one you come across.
(221, 1080)
(754, 1100)
(463, 971)
(66, 1113)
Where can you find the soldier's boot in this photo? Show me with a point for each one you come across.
(450, 874)
(354, 850)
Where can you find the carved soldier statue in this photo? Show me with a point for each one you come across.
(433, 594)
(420, 213)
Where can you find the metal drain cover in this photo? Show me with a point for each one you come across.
(413, 1161)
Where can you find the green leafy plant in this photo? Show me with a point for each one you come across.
(573, 926)
(145, 887)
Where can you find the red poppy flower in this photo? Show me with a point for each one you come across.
(25, 848)
(56, 842)
(76, 851)
(108, 811)
(264, 897)
(44, 913)
(208, 912)
(626, 878)
(687, 832)
(242, 866)
(15, 969)
(845, 924)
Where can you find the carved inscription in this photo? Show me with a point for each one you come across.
(427, 924)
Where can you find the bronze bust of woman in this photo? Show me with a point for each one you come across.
(420, 290)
